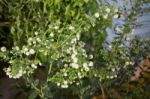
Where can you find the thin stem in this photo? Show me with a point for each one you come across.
(71, 35)
(34, 87)
(103, 94)
(49, 69)
(81, 97)
(80, 92)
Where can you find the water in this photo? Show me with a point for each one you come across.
(142, 28)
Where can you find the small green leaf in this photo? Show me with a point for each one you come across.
(57, 2)
(86, 1)
(67, 10)
(36, 82)
(42, 57)
(33, 95)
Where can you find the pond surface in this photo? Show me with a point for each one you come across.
(142, 28)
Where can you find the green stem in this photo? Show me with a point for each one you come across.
(49, 70)
(103, 94)
(80, 92)
(34, 87)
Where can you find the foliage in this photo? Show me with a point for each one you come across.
(57, 46)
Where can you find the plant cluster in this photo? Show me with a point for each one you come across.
(64, 39)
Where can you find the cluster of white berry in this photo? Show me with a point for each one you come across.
(14, 75)
(27, 51)
(105, 16)
(77, 62)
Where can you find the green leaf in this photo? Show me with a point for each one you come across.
(36, 82)
(57, 1)
(92, 7)
(42, 57)
(67, 10)
(33, 95)
(86, 1)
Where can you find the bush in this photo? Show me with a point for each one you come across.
(58, 44)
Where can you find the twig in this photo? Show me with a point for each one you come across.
(103, 94)
(2, 24)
